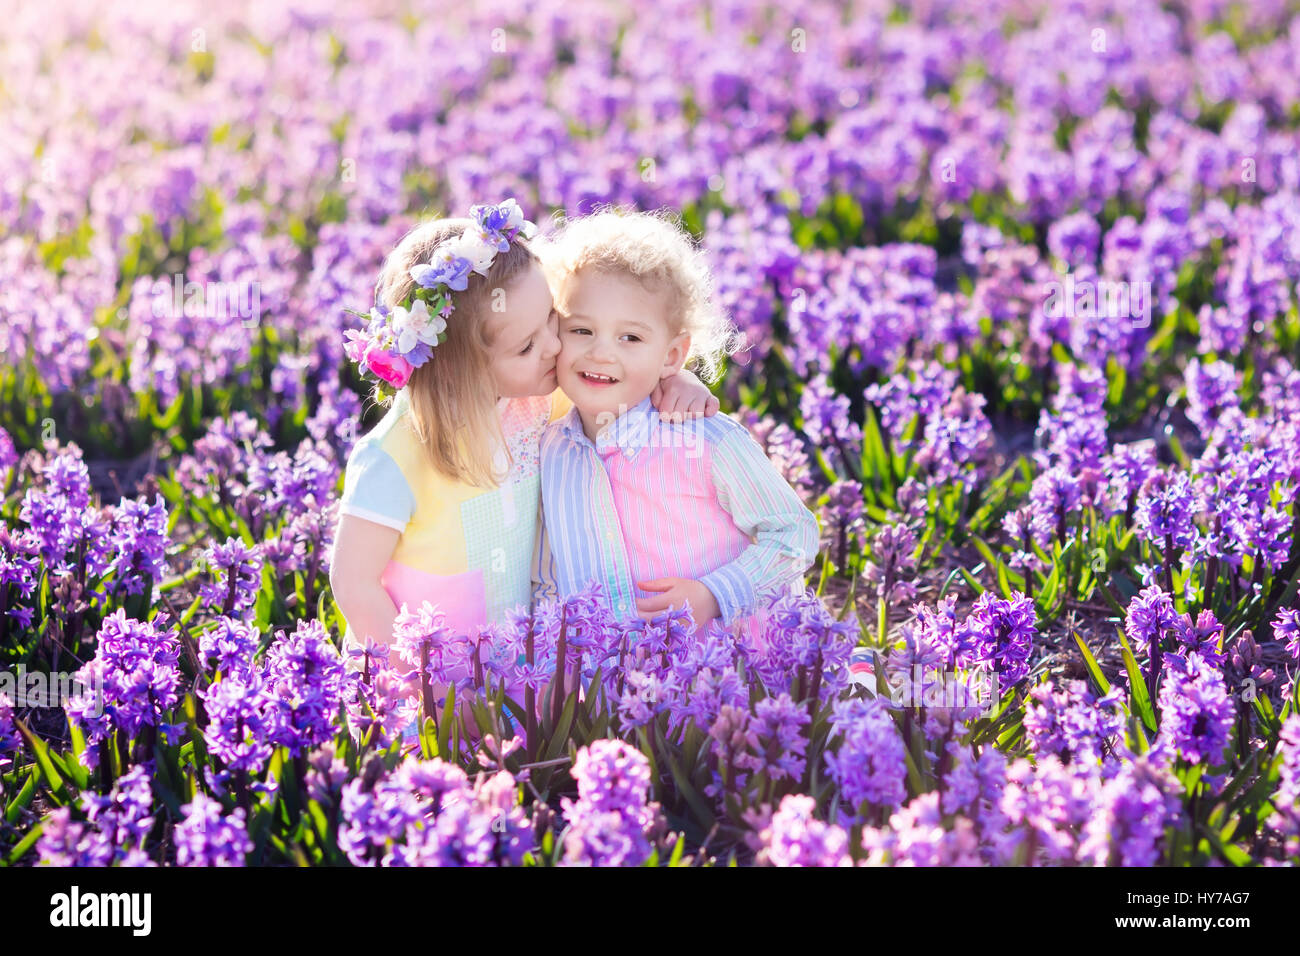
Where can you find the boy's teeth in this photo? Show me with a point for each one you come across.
(599, 378)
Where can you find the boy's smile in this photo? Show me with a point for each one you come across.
(615, 345)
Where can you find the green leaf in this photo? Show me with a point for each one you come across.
(444, 725)
(1047, 594)
(59, 790)
(1234, 854)
(1090, 662)
(913, 774)
(1264, 708)
(1176, 447)
(560, 736)
(1137, 686)
(22, 800)
(875, 460)
(169, 418)
(678, 850)
(971, 582)
(703, 815)
(79, 774)
(26, 843)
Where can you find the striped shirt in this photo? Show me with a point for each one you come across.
(652, 499)
(468, 550)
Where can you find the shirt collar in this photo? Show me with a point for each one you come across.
(630, 432)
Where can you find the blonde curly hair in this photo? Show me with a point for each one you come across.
(655, 249)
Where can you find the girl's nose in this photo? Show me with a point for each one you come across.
(552, 346)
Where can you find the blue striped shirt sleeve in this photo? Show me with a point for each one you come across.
(765, 507)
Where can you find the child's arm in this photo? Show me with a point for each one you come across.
(375, 507)
(682, 396)
(765, 507)
(362, 550)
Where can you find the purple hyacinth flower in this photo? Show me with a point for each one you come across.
(237, 576)
(609, 823)
(1000, 633)
(1286, 627)
(1196, 710)
(794, 837)
(869, 766)
(207, 838)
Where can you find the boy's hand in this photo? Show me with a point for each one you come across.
(675, 593)
(683, 396)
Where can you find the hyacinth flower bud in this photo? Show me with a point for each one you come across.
(1247, 659)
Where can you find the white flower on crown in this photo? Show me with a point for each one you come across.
(515, 218)
(416, 325)
(470, 245)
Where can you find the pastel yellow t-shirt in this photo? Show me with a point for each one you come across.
(471, 551)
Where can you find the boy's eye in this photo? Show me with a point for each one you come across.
(633, 336)
(580, 331)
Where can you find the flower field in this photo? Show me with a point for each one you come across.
(1018, 281)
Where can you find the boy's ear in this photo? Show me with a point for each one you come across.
(676, 357)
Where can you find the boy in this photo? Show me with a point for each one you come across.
(660, 513)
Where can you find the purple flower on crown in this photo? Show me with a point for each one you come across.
(443, 269)
(500, 223)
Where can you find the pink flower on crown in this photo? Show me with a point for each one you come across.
(393, 369)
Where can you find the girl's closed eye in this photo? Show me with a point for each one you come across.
(527, 348)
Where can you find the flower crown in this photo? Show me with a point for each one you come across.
(399, 340)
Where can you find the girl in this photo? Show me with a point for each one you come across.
(691, 513)
(441, 499)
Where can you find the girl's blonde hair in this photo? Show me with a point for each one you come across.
(653, 248)
(453, 394)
